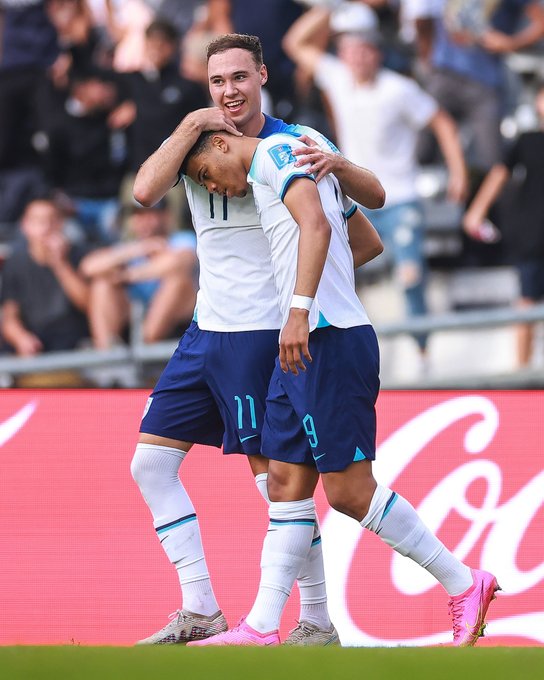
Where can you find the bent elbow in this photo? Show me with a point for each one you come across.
(142, 196)
(379, 199)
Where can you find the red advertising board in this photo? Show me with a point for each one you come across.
(80, 561)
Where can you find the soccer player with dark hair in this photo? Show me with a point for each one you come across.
(214, 387)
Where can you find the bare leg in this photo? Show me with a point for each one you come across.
(108, 311)
(350, 491)
(173, 302)
(258, 464)
(524, 335)
(291, 482)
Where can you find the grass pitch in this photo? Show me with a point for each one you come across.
(283, 663)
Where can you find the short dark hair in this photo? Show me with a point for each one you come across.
(198, 147)
(231, 41)
(44, 195)
(163, 28)
(50, 197)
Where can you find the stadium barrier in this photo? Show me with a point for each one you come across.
(81, 563)
(137, 354)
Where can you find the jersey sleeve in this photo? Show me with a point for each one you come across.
(325, 144)
(274, 165)
(350, 207)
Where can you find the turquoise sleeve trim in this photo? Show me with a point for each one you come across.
(195, 315)
(351, 211)
(322, 321)
(293, 130)
(289, 180)
(252, 172)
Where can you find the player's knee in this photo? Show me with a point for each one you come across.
(343, 504)
(354, 504)
(278, 487)
(288, 484)
(137, 468)
(143, 472)
(150, 334)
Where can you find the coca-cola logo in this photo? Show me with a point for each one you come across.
(497, 527)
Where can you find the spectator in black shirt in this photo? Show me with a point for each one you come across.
(162, 96)
(523, 218)
(86, 153)
(44, 298)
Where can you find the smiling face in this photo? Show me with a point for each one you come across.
(235, 82)
(218, 166)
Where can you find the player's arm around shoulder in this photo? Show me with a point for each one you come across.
(161, 171)
(322, 157)
(364, 240)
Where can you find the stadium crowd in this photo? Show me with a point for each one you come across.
(90, 88)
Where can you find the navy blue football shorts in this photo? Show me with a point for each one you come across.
(326, 415)
(213, 390)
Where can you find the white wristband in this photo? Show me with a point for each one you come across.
(302, 302)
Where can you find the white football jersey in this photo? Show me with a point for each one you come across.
(236, 282)
(271, 173)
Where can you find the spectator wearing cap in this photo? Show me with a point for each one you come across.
(154, 266)
(377, 115)
(44, 297)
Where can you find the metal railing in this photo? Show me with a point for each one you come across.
(139, 354)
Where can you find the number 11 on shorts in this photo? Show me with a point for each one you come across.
(252, 415)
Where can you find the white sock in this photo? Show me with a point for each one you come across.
(396, 522)
(155, 469)
(285, 548)
(311, 578)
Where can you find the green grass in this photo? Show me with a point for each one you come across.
(181, 663)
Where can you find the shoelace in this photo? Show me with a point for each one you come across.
(174, 617)
(299, 632)
(455, 608)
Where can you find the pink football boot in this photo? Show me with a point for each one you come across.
(242, 634)
(468, 609)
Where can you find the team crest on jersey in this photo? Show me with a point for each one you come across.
(282, 155)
